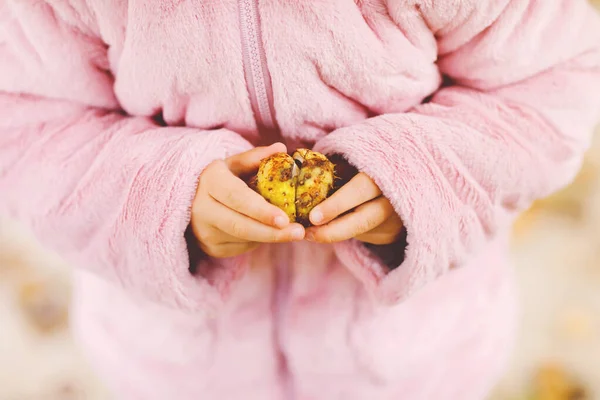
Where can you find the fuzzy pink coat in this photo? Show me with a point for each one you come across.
(463, 111)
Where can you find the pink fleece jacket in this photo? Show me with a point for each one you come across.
(463, 111)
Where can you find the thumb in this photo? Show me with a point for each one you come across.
(249, 161)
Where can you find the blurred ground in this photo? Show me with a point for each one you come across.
(556, 251)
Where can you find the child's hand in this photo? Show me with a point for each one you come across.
(372, 220)
(229, 218)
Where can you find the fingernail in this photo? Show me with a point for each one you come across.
(281, 221)
(297, 233)
(310, 236)
(316, 216)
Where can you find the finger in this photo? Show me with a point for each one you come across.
(365, 218)
(206, 233)
(226, 250)
(219, 237)
(386, 233)
(242, 227)
(212, 236)
(234, 193)
(376, 238)
(357, 191)
(249, 161)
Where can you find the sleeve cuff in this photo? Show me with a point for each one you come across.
(164, 197)
(395, 160)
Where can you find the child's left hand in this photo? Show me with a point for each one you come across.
(371, 219)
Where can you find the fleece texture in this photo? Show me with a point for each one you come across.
(462, 111)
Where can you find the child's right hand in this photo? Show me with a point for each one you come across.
(229, 218)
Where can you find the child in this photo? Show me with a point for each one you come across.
(125, 126)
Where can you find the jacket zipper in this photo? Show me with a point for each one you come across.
(260, 90)
(256, 71)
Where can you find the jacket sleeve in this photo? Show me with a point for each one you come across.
(108, 192)
(510, 127)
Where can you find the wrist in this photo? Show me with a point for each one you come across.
(392, 254)
(195, 253)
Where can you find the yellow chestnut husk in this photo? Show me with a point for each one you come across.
(296, 183)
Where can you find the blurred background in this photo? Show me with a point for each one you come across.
(556, 251)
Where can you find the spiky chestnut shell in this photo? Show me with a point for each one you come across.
(276, 182)
(296, 183)
(315, 182)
